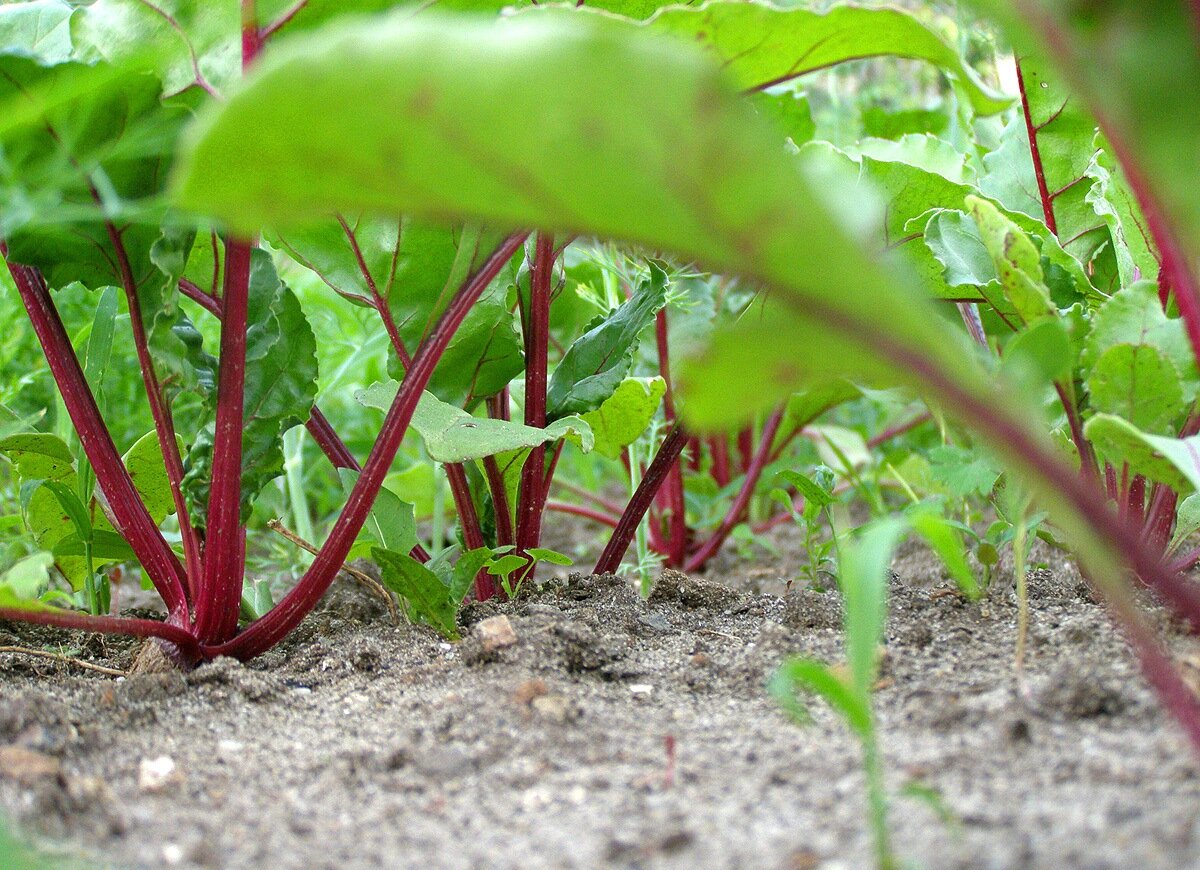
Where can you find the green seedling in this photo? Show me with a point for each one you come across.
(818, 499)
(848, 690)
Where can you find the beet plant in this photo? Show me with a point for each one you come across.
(442, 171)
(683, 164)
(96, 97)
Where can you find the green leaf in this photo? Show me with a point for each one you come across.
(806, 406)
(1066, 142)
(960, 259)
(840, 448)
(98, 157)
(28, 578)
(1016, 259)
(1187, 521)
(863, 578)
(149, 473)
(416, 267)
(452, 435)
(106, 547)
(1112, 198)
(1134, 316)
(1171, 461)
(552, 557)
(808, 675)
(814, 494)
(757, 216)
(99, 346)
(789, 111)
(39, 456)
(10, 599)
(175, 343)
(468, 565)
(625, 415)
(963, 472)
(420, 587)
(69, 501)
(597, 362)
(514, 124)
(40, 30)
(391, 523)
(1138, 383)
(760, 44)
(947, 542)
(1126, 61)
(184, 42)
(504, 566)
(925, 183)
(1039, 355)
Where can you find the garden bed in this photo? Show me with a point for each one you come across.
(361, 744)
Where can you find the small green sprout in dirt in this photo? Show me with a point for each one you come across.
(863, 565)
(864, 572)
(435, 591)
(817, 494)
(512, 570)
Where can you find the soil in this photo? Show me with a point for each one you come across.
(362, 744)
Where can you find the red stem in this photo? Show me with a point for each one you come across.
(164, 425)
(130, 516)
(899, 429)
(218, 602)
(745, 443)
(498, 408)
(579, 510)
(677, 536)
(251, 37)
(1087, 456)
(377, 301)
(167, 631)
(468, 521)
(643, 497)
(1186, 562)
(1136, 500)
(281, 22)
(495, 479)
(1036, 153)
(718, 446)
(969, 312)
(331, 445)
(664, 364)
(268, 630)
(536, 347)
(742, 501)
(611, 506)
(1087, 460)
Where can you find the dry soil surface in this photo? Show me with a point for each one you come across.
(610, 731)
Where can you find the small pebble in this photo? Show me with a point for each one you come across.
(158, 774)
(172, 853)
(494, 633)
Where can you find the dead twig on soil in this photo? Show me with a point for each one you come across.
(362, 577)
(63, 659)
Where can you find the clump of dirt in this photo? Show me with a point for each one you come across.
(586, 726)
